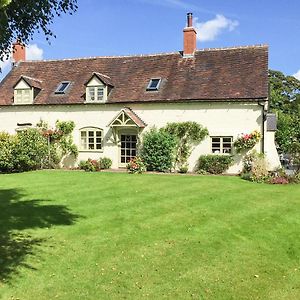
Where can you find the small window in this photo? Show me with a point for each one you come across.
(95, 94)
(62, 87)
(23, 96)
(153, 84)
(91, 139)
(221, 145)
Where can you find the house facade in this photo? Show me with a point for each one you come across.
(114, 100)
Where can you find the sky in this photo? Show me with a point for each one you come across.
(125, 27)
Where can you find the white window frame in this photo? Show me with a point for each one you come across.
(222, 148)
(23, 96)
(96, 89)
(85, 139)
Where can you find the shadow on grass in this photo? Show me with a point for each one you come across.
(17, 215)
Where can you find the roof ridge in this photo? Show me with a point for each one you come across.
(149, 55)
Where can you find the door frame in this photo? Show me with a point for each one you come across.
(126, 131)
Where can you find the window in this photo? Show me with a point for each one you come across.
(221, 145)
(91, 139)
(154, 84)
(23, 96)
(62, 87)
(95, 94)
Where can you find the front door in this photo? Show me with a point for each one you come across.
(128, 148)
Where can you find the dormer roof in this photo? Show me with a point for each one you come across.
(32, 82)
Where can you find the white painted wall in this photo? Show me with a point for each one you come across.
(221, 119)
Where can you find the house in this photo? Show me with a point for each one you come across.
(114, 100)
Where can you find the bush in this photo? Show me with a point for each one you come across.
(7, 143)
(214, 164)
(105, 163)
(30, 150)
(256, 166)
(136, 165)
(157, 150)
(183, 169)
(89, 165)
(278, 180)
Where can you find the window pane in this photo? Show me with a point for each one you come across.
(227, 140)
(91, 133)
(99, 93)
(98, 133)
(98, 146)
(91, 93)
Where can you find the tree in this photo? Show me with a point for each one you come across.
(285, 101)
(20, 19)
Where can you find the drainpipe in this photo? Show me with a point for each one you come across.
(262, 105)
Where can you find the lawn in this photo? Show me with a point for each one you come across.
(75, 235)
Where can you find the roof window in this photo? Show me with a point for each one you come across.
(154, 84)
(62, 87)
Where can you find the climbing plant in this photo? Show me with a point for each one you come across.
(60, 141)
(187, 134)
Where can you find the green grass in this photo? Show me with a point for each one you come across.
(75, 235)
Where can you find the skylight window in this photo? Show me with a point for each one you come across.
(154, 84)
(62, 87)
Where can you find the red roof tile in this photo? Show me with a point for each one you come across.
(211, 75)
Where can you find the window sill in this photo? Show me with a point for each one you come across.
(95, 102)
(93, 151)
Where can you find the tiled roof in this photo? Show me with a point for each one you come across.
(211, 75)
(32, 82)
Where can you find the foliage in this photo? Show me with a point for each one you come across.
(7, 143)
(247, 141)
(60, 141)
(136, 165)
(183, 169)
(214, 164)
(187, 134)
(157, 150)
(285, 101)
(30, 150)
(20, 19)
(89, 165)
(105, 163)
(255, 167)
(278, 180)
(284, 92)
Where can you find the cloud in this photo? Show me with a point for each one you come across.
(210, 30)
(297, 75)
(33, 52)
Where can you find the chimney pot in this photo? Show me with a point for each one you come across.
(189, 19)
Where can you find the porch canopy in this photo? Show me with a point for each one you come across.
(127, 118)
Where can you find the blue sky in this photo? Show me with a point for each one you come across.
(119, 27)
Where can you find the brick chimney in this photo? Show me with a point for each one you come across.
(19, 52)
(189, 37)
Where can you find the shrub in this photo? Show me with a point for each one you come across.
(157, 150)
(89, 165)
(136, 165)
(7, 143)
(256, 166)
(183, 169)
(30, 150)
(105, 163)
(214, 164)
(278, 180)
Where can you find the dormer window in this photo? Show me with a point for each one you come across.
(154, 84)
(23, 96)
(97, 88)
(95, 93)
(62, 87)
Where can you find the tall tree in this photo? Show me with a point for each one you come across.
(20, 19)
(285, 101)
